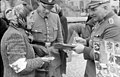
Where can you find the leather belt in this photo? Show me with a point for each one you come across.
(46, 44)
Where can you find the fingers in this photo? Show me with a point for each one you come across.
(79, 48)
(47, 59)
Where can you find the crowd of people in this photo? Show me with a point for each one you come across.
(28, 36)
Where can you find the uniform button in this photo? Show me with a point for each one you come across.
(48, 36)
(47, 23)
(48, 39)
(35, 30)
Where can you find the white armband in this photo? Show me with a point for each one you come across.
(19, 65)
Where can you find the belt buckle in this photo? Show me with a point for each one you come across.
(47, 44)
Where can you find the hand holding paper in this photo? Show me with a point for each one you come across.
(79, 48)
(47, 59)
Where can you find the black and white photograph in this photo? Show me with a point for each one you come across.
(60, 38)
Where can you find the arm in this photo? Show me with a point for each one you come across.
(17, 52)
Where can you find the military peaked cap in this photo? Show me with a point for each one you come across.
(95, 3)
(48, 2)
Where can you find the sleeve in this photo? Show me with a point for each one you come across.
(16, 54)
(112, 32)
(60, 36)
(88, 53)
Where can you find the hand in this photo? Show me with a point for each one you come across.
(30, 37)
(79, 48)
(80, 40)
(47, 59)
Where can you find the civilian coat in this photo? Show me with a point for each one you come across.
(16, 50)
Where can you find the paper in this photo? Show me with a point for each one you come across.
(108, 64)
(63, 46)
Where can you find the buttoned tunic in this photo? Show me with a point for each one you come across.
(47, 29)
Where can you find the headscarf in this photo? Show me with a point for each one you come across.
(18, 14)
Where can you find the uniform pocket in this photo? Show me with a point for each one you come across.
(38, 31)
(55, 28)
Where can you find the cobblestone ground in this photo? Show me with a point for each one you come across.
(76, 67)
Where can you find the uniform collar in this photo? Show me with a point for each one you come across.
(42, 15)
(109, 15)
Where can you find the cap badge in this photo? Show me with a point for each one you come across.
(50, 1)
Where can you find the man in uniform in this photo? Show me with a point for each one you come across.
(46, 30)
(108, 27)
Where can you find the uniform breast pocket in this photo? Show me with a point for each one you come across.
(38, 34)
(38, 31)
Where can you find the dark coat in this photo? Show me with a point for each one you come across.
(64, 27)
(3, 28)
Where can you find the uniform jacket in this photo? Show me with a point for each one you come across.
(18, 55)
(47, 29)
(108, 28)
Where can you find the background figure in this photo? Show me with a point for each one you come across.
(46, 30)
(17, 54)
(3, 28)
(107, 27)
(83, 30)
(63, 55)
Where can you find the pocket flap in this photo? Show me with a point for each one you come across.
(55, 28)
(37, 30)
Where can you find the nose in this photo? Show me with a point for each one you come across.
(46, 10)
(91, 13)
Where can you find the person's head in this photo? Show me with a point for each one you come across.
(99, 9)
(45, 6)
(19, 14)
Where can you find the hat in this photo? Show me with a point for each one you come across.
(48, 2)
(95, 3)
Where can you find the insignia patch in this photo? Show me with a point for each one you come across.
(19, 65)
(50, 1)
(111, 21)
